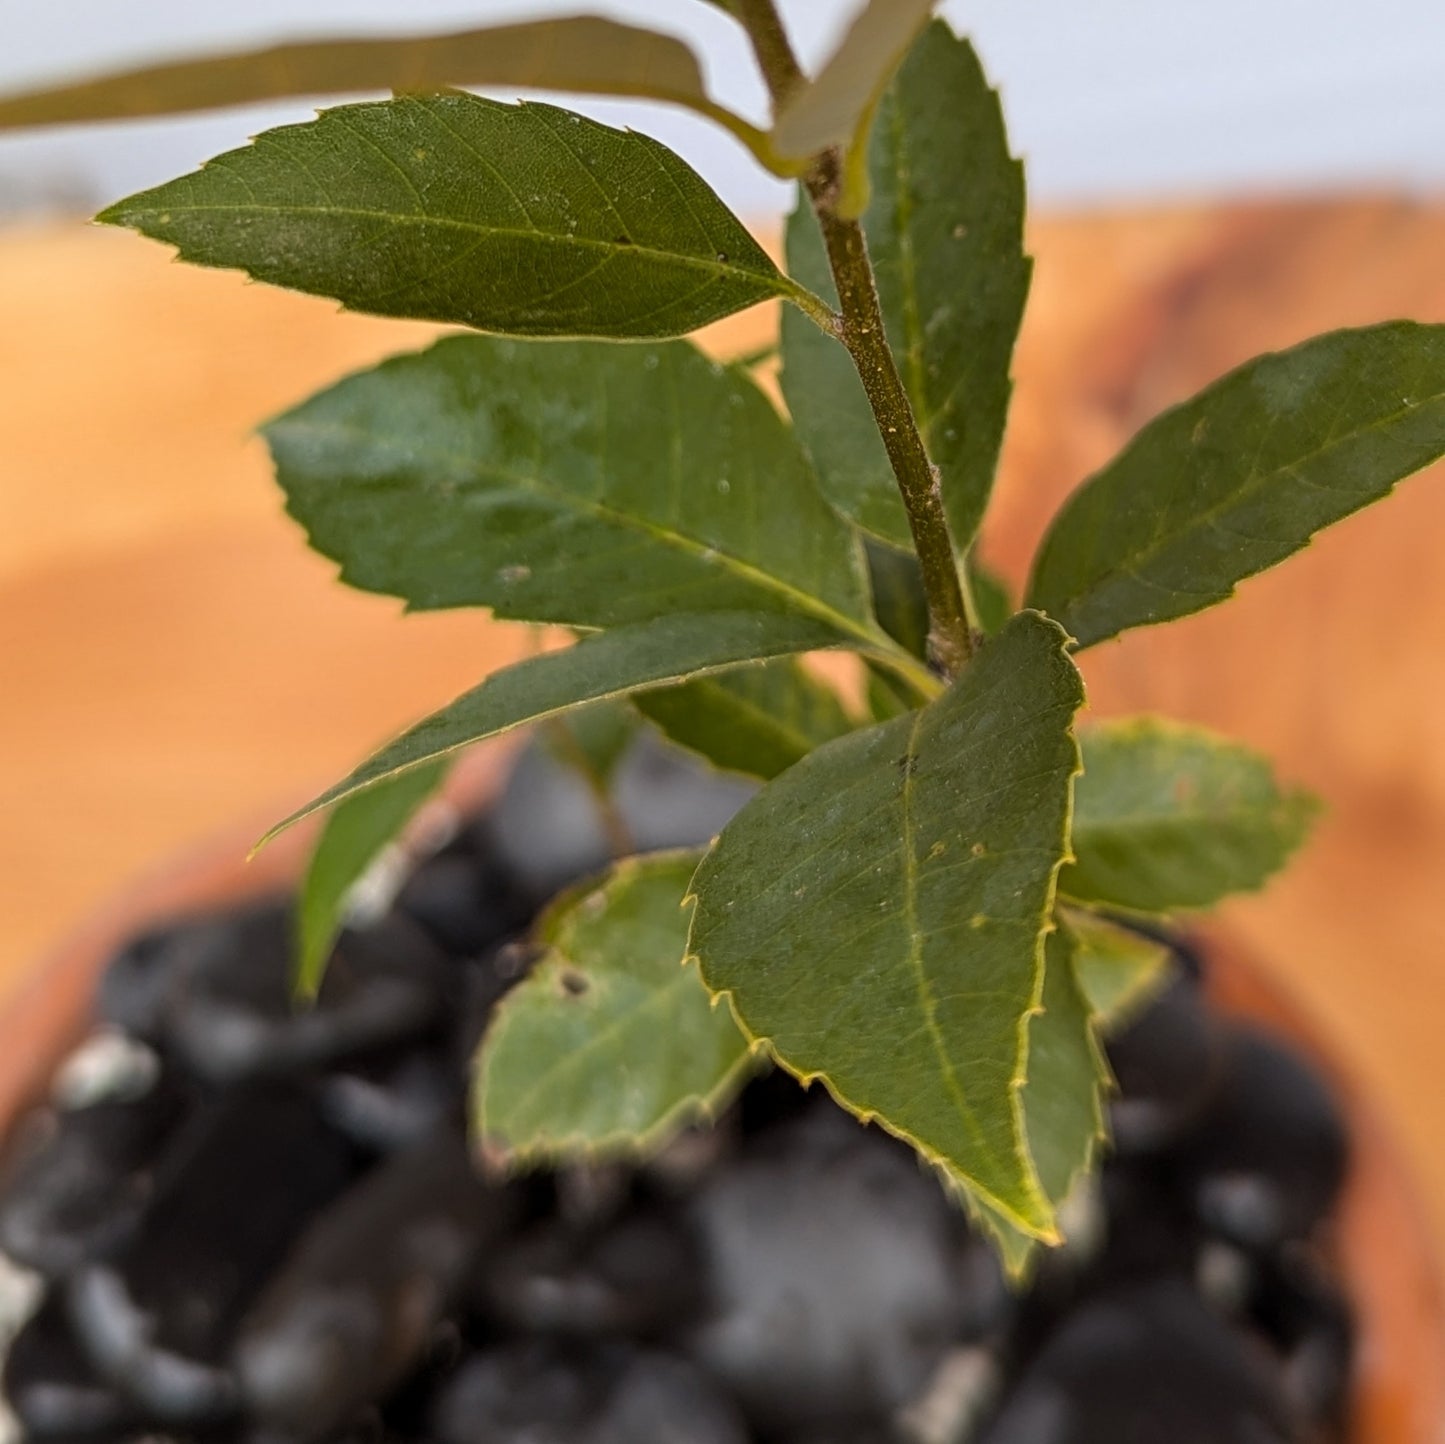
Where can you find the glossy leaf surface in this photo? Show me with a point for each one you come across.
(606, 664)
(610, 1041)
(877, 913)
(353, 837)
(1170, 817)
(758, 720)
(1241, 476)
(574, 482)
(945, 234)
(578, 52)
(524, 219)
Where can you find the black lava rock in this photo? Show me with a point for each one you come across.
(217, 993)
(531, 1394)
(1150, 1363)
(640, 1277)
(52, 1387)
(548, 831)
(1296, 1304)
(394, 1100)
(1269, 1159)
(464, 898)
(1168, 1062)
(271, 1232)
(365, 1287)
(832, 1266)
(81, 1178)
(157, 1315)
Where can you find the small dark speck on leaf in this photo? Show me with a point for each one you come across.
(573, 983)
(622, 240)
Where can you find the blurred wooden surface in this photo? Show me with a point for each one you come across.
(173, 659)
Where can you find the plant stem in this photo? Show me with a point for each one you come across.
(950, 631)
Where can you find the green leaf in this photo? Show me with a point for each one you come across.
(886, 697)
(1241, 476)
(834, 108)
(877, 913)
(1116, 967)
(1170, 817)
(899, 600)
(991, 597)
(610, 1043)
(1067, 1074)
(606, 664)
(901, 606)
(1062, 1101)
(518, 218)
(1017, 1251)
(574, 482)
(826, 399)
(579, 52)
(758, 720)
(945, 233)
(354, 835)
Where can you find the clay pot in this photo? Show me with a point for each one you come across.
(1384, 1247)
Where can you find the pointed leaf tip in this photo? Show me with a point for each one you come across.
(547, 224)
(894, 886)
(604, 664)
(354, 836)
(1241, 476)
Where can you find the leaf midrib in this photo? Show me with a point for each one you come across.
(535, 485)
(775, 282)
(915, 952)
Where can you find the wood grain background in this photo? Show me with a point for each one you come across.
(172, 659)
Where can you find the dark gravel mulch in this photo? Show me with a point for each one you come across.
(266, 1226)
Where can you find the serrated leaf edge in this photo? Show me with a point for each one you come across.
(577, 1147)
(862, 628)
(1046, 1233)
(1299, 809)
(1259, 481)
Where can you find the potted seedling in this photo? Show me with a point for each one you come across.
(940, 898)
